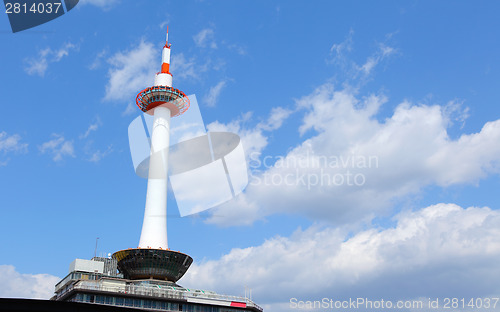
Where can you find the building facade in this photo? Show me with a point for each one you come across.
(97, 282)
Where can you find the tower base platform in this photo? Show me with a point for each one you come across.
(159, 264)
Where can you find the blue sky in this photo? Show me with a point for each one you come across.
(412, 83)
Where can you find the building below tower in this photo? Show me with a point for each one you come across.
(97, 282)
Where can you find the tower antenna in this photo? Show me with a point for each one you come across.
(95, 250)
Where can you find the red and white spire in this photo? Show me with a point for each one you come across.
(164, 77)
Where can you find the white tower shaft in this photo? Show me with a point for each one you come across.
(154, 227)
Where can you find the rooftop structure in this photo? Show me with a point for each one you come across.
(87, 282)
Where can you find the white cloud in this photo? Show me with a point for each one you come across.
(134, 70)
(32, 286)
(103, 4)
(372, 61)
(63, 51)
(205, 38)
(238, 48)
(94, 155)
(58, 147)
(98, 59)
(213, 94)
(164, 23)
(93, 127)
(99, 155)
(454, 111)
(184, 68)
(130, 109)
(338, 50)
(38, 66)
(253, 138)
(339, 55)
(276, 118)
(12, 143)
(438, 251)
(131, 71)
(354, 166)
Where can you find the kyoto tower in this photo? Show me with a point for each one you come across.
(153, 259)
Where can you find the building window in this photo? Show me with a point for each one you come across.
(137, 303)
(129, 302)
(119, 301)
(108, 300)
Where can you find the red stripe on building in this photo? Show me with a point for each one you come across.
(238, 304)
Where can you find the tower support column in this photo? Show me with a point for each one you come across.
(154, 227)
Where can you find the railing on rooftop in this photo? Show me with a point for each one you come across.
(154, 292)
